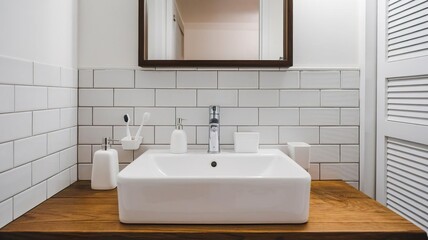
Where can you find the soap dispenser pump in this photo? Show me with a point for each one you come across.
(179, 138)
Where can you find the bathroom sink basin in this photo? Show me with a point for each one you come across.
(224, 188)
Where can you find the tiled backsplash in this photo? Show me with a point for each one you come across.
(38, 134)
(313, 106)
(38, 119)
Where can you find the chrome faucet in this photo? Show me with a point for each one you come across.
(214, 130)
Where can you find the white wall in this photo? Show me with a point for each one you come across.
(326, 33)
(43, 30)
(221, 41)
(38, 102)
(108, 33)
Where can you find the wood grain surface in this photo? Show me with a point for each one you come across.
(337, 211)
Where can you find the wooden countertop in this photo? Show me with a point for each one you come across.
(337, 211)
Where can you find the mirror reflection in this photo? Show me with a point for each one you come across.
(214, 29)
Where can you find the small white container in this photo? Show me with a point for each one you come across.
(105, 168)
(131, 143)
(300, 152)
(246, 142)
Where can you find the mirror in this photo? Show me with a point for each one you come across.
(215, 33)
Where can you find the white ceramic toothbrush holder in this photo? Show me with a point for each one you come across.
(131, 143)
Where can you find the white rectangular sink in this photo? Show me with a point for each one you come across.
(202, 188)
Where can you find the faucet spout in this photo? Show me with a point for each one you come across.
(214, 130)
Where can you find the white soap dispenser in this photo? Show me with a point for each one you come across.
(105, 167)
(179, 138)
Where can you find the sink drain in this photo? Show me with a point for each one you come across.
(213, 164)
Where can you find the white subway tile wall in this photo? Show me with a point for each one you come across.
(94, 134)
(314, 170)
(238, 79)
(15, 71)
(299, 98)
(38, 140)
(279, 116)
(134, 97)
(61, 98)
(84, 116)
(57, 183)
(319, 116)
(239, 116)
(350, 79)
(314, 106)
(310, 135)
(73, 173)
(6, 153)
(47, 75)
(112, 116)
(193, 116)
(325, 153)
(350, 116)
(39, 118)
(96, 97)
(59, 140)
(258, 98)
(27, 199)
(344, 171)
(226, 136)
(46, 121)
(279, 80)
(7, 98)
(197, 79)
(224, 98)
(68, 78)
(175, 98)
(6, 212)
(158, 116)
(68, 117)
(114, 79)
(29, 149)
(320, 79)
(30, 98)
(20, 177)
(155, 79)
(68, 158)
(86, 78)
(340, 98)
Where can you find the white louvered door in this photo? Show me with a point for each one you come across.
(402, 118)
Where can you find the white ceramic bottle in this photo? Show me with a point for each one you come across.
(179, 138)
(105, 168)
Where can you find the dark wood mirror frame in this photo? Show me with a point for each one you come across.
(286, 62)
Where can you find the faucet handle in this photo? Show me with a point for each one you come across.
(214, 111)
(214, 114)
(214, 108)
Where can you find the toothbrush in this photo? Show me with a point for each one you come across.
(146, 118)
(128, 132)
